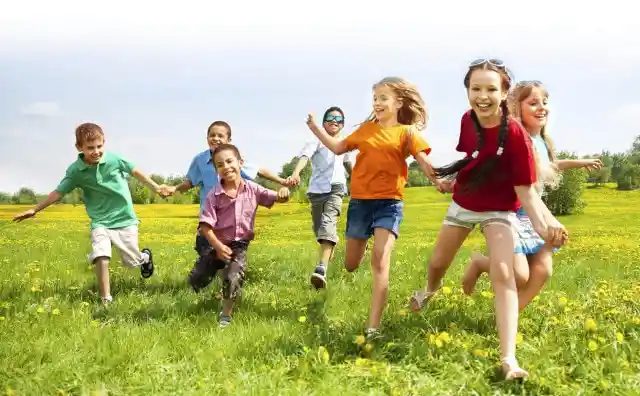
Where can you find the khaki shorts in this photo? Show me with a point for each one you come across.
(125, 241)
(457, 216)
(325, 211)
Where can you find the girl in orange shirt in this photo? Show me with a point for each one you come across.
(384, 142)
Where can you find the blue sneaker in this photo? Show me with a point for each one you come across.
(318, 278)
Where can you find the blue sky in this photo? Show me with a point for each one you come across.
(155, 76)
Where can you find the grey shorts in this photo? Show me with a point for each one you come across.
(325, 211)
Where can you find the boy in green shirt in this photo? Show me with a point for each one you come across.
(101, 176)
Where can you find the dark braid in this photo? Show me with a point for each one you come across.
(450, 171)
(483, 170)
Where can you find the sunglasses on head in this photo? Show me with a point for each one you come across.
(528, 82)
(494, 62)
(334, 118)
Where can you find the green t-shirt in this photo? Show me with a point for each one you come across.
(106, 194)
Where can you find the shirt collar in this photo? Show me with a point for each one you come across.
(83, 165)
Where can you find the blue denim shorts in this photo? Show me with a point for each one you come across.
(365, 215)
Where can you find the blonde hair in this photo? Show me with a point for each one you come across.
(548, 176)
(413, 110)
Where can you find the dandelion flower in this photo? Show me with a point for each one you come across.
(360, 340)
(402, 312)
(302, 319)
(487, 294)
(40, 310)
(519, 339)
(620, 337)
(56, 311)
(480, 353)
(590, 325)
(562, 301)
(592, 345)
(2, 318)
(368, 348)
(446, 290)
(323, 354)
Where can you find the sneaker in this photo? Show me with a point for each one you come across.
(225, 320)
(318, 278)
(146, 269)
(372, 334)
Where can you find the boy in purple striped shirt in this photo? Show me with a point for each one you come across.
(226, 220)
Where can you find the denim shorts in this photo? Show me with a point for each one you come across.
(365, 215)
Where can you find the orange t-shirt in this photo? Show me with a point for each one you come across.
(381, 169)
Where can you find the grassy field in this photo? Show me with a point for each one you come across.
(580, 337)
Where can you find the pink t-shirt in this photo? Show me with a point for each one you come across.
(232, 219)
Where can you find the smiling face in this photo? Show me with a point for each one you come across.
(216, 136)
(228, 164)
(92, 150)
(386, 105)
(485, 93)
(534, 110)
(333, 122)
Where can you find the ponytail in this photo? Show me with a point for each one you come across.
(479, 173)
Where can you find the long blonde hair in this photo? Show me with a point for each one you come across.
(413, 110)
(547, 176)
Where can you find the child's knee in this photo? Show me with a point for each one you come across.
(542, 271)
(521, 279)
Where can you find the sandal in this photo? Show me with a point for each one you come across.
(421, 297)
(511, 369)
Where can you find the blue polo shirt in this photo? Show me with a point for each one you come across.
(203, 173)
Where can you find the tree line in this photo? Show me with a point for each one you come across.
(622, 168)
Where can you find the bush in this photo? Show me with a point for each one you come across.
(567, 198)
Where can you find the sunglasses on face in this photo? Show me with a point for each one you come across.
(334, 118)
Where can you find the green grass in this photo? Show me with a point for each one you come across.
(161, 338)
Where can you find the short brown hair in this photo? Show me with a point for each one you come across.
(223, 124)
(88, 131)
(224, 147)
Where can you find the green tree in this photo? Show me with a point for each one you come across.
(567, 197)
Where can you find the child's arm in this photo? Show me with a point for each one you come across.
(223, 251)
(294, 179)
(53, 197)
(425, 164)
(590, 164)
(544, 223)
(143, 178)
(337, 146)
(267, 174)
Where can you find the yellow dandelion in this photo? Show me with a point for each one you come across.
(487, 294)
(562, 301)
(361, 362)
(444, 337)
(302, 319)
(536, 298)
(590, 325)
(40, 310)
(592, 345)
(368, 348)
(95, 323)
(56, 311)
(519, 339)
(2, 318)
(446, 290)
(36, 289)
(402, 312)
(359, 340)
(636, 321)
(480, 353)
(620, 337)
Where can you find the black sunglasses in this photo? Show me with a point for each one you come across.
(334, 118)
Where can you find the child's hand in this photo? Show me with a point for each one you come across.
(224, 252)
(293, 180)
(283, 194)
(557, 235)
(593, 164)
(311, 120)
(25, 215)
(444, 186)
(166, 191)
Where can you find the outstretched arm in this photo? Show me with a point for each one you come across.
(267, 174)
(143, 178)
(52, 198)
(590, 164)
(544, 223)
(294, 179)
(337, 146)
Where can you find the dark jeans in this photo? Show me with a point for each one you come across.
(208, 264)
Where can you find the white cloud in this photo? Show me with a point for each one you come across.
(41, 109)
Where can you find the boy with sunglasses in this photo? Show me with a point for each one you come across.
(327, 187)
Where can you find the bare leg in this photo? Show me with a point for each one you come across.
(541, 270)
(479, 264)
(102, 273)
(447, 245)
(383, 243)
(354, 253)
(500, 243)
(325, 252)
